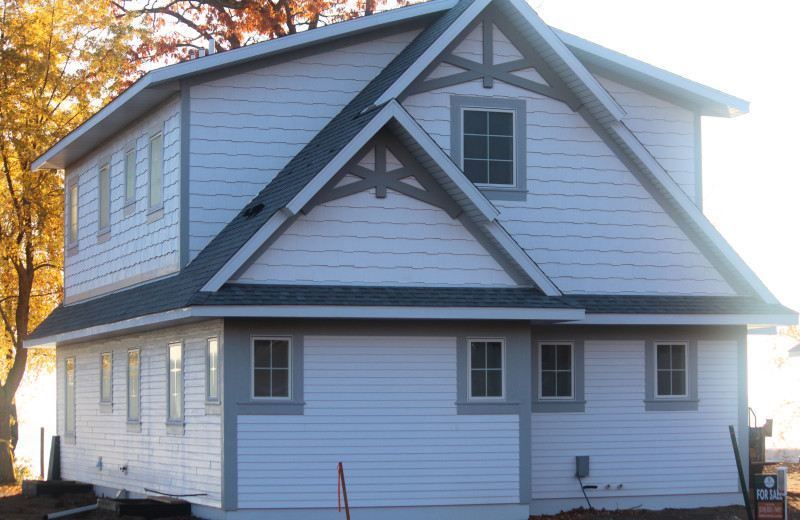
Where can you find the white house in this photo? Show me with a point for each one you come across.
(447, 245)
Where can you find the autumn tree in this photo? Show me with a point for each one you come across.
(60, 60)
(184, 26)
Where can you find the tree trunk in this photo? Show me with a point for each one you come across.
(6, 451)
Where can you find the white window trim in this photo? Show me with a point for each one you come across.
(503, 369)
(686, 383)
(138, 417)
(571, 397)
(514, 165)
(212, 399)
(260, 398)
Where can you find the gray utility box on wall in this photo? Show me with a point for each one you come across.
(582, 466)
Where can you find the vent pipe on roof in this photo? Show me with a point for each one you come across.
(211, 49)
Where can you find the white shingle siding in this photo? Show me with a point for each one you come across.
(386, 408)
(136, 250)
(362, 239)
(170, 463)
(246, 127)
(649, 453)
(587, 222)
(667, 131)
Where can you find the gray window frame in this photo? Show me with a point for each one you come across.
(103, 199)
(209, 398)
(504, 371)
(267, 399)
(70, 403)
(152, 205)
(574, 404)
(129, 201)
(517, 191)
(655, 403)
(179, 418)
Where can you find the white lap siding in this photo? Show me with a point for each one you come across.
(649, 453)
(386, 408)
(163, 461)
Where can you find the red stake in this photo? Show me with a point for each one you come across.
(343, 492)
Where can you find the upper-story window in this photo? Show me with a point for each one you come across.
(72, 213)
(130, 175)
(487, 139)
(156, 170)
(103, 198)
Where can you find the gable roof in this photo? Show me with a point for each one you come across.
(172, 298)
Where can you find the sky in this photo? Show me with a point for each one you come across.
(750, 175)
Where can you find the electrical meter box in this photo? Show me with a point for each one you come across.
(582, 466)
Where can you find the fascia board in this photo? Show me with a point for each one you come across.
(574, 64)
(416, 68)
(138, 323)
(178, 71)
(735, 106)
(389, 312)
(692, 211)
(523, 260)
(689, 319)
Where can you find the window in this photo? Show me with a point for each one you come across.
(212, 370)
(488, 142)
(130, 175)
(671, 370)
(175, 382)
(133, 385)
(486, 359)
(72, 215)
(556, 369)
(156, 170)
(271, 367)
(103, 198)
(69, 397)
(105, 377)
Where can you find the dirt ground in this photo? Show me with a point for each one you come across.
(14, 506)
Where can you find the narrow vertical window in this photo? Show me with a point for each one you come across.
(133, 384)
(175, 382)
(156, 169)
(73, 214)
(69, 397)
(486, 359)
(556, 369)
(103, 198)
(271, 367)
(671, 370)
(105, 377)
(212, 370)
(130, 175)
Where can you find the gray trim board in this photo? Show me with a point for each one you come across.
(698, 161)
(744, 407)
(185, 167)
(666, 404)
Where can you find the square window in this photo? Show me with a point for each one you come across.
(556, 371)
(271, 367)
(671, 374)
(486, 368)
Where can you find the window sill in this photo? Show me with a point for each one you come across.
(72, 249)
(175, 428)
(106, 407)
(155, 213)
(129, 208)
(213, 408)
(104, 235)
(565, 406)
(69, 438)
(486, 407)
(270, 408)
(497, 193)
(671, 405)
(133, 427)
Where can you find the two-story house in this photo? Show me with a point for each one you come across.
(446, 245)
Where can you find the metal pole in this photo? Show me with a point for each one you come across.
(742, 481)
(41, 453)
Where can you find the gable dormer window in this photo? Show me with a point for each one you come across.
(487, 140)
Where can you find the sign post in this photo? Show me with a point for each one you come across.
(770, 503)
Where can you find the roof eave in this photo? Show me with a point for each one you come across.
(751, 320)
(156, 86)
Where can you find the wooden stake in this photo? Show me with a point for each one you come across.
(41, 453)
(344, 491)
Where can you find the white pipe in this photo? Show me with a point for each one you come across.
(69, 512)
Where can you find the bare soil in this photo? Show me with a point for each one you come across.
(14, 506)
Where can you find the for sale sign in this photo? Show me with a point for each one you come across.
(769, 501)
